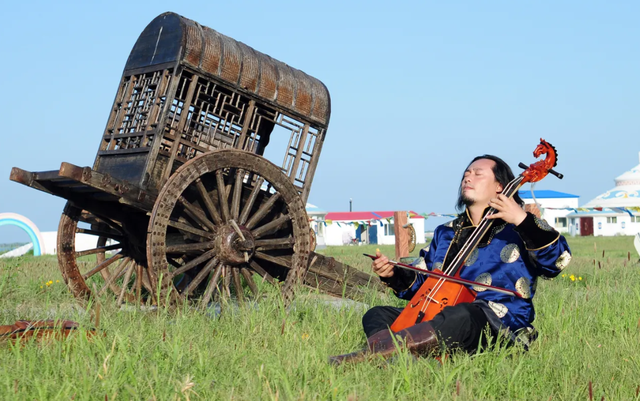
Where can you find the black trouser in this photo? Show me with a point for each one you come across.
(459, 327)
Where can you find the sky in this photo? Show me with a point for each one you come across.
(418, 88)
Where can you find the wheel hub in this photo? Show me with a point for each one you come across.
(235, 244)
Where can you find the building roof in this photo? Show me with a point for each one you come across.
(359, 216)
(314, 210)
(599, 212)
(545, 194)
(626, 193)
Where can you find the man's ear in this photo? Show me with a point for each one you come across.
(499, 189)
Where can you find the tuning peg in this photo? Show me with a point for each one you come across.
(552, 171)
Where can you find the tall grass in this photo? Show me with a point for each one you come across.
(590, 331)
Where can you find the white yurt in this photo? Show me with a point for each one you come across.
(615, 212)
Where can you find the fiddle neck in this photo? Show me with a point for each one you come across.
(481, 229)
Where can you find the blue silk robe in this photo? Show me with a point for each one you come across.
(509, 257)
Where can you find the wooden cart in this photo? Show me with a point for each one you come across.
(181, 197)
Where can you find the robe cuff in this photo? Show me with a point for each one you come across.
(401, 280)
(536, 233)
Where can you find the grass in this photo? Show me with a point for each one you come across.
(590, 331)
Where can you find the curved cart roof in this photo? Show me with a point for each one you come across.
(173, 38)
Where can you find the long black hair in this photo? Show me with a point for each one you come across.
(503, 174)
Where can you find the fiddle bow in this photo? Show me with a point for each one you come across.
(439, 289)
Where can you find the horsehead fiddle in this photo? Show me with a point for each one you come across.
(445, 287)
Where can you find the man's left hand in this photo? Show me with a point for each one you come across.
(508, 210)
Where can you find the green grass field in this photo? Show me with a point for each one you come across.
(589, 323)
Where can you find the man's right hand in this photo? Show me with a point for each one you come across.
(381, 265)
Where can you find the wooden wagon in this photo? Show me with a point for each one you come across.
(181, 197)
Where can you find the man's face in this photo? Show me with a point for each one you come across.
(479, 183)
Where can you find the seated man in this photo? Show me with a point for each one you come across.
(518, 248)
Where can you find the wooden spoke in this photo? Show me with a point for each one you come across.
(222, 195)
(237, 192)
(200, 276)
(249, 279)
(138, 282)
(274, 259)
(99, 233)
(125, 285)
(271, 226)
(196, 214)
(100, 249)
(252, 199)
(189, 265)
(237, 282)
(186, 248)
(115, 226)
(208, 203)
(227, 281)
(213, 284)
(173, 262)
(264, 209)
(263, 273)
(276, 243)
(112, 278)
(149, 282)
(211, 217)
(102, 265)
(188, 229)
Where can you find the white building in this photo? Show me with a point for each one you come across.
(549, 202)
(316, 221)
(83, 242)
(344, 228)
(615, 212)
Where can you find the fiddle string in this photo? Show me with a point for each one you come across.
(471, 243)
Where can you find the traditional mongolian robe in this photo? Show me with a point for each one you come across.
(508, 256)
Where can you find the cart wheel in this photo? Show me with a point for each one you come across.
(412, 238)
(312, 240)
(120, 274)
(220, 218)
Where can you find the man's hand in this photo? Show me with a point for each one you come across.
(508, 210)
(381, 265)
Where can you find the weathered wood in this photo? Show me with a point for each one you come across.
(272, 226)
(100, 249)
(401, 233)
(237, 283)
(196, 214)
(213, 285)
(276, 243)
(196, 246)
(102, 265)
(262, 211)
(187, 228)
(222, 195)
(250, 201)
(204, 195)
(194, 262)
(200, 276)
(237, 192)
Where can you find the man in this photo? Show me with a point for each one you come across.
(518, 248)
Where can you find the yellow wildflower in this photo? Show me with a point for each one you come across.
(40, 286)
(580, 278)
(57, 281)
(573, 278)
(564, 275)
(305, 336)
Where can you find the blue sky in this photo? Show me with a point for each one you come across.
(417, 89)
